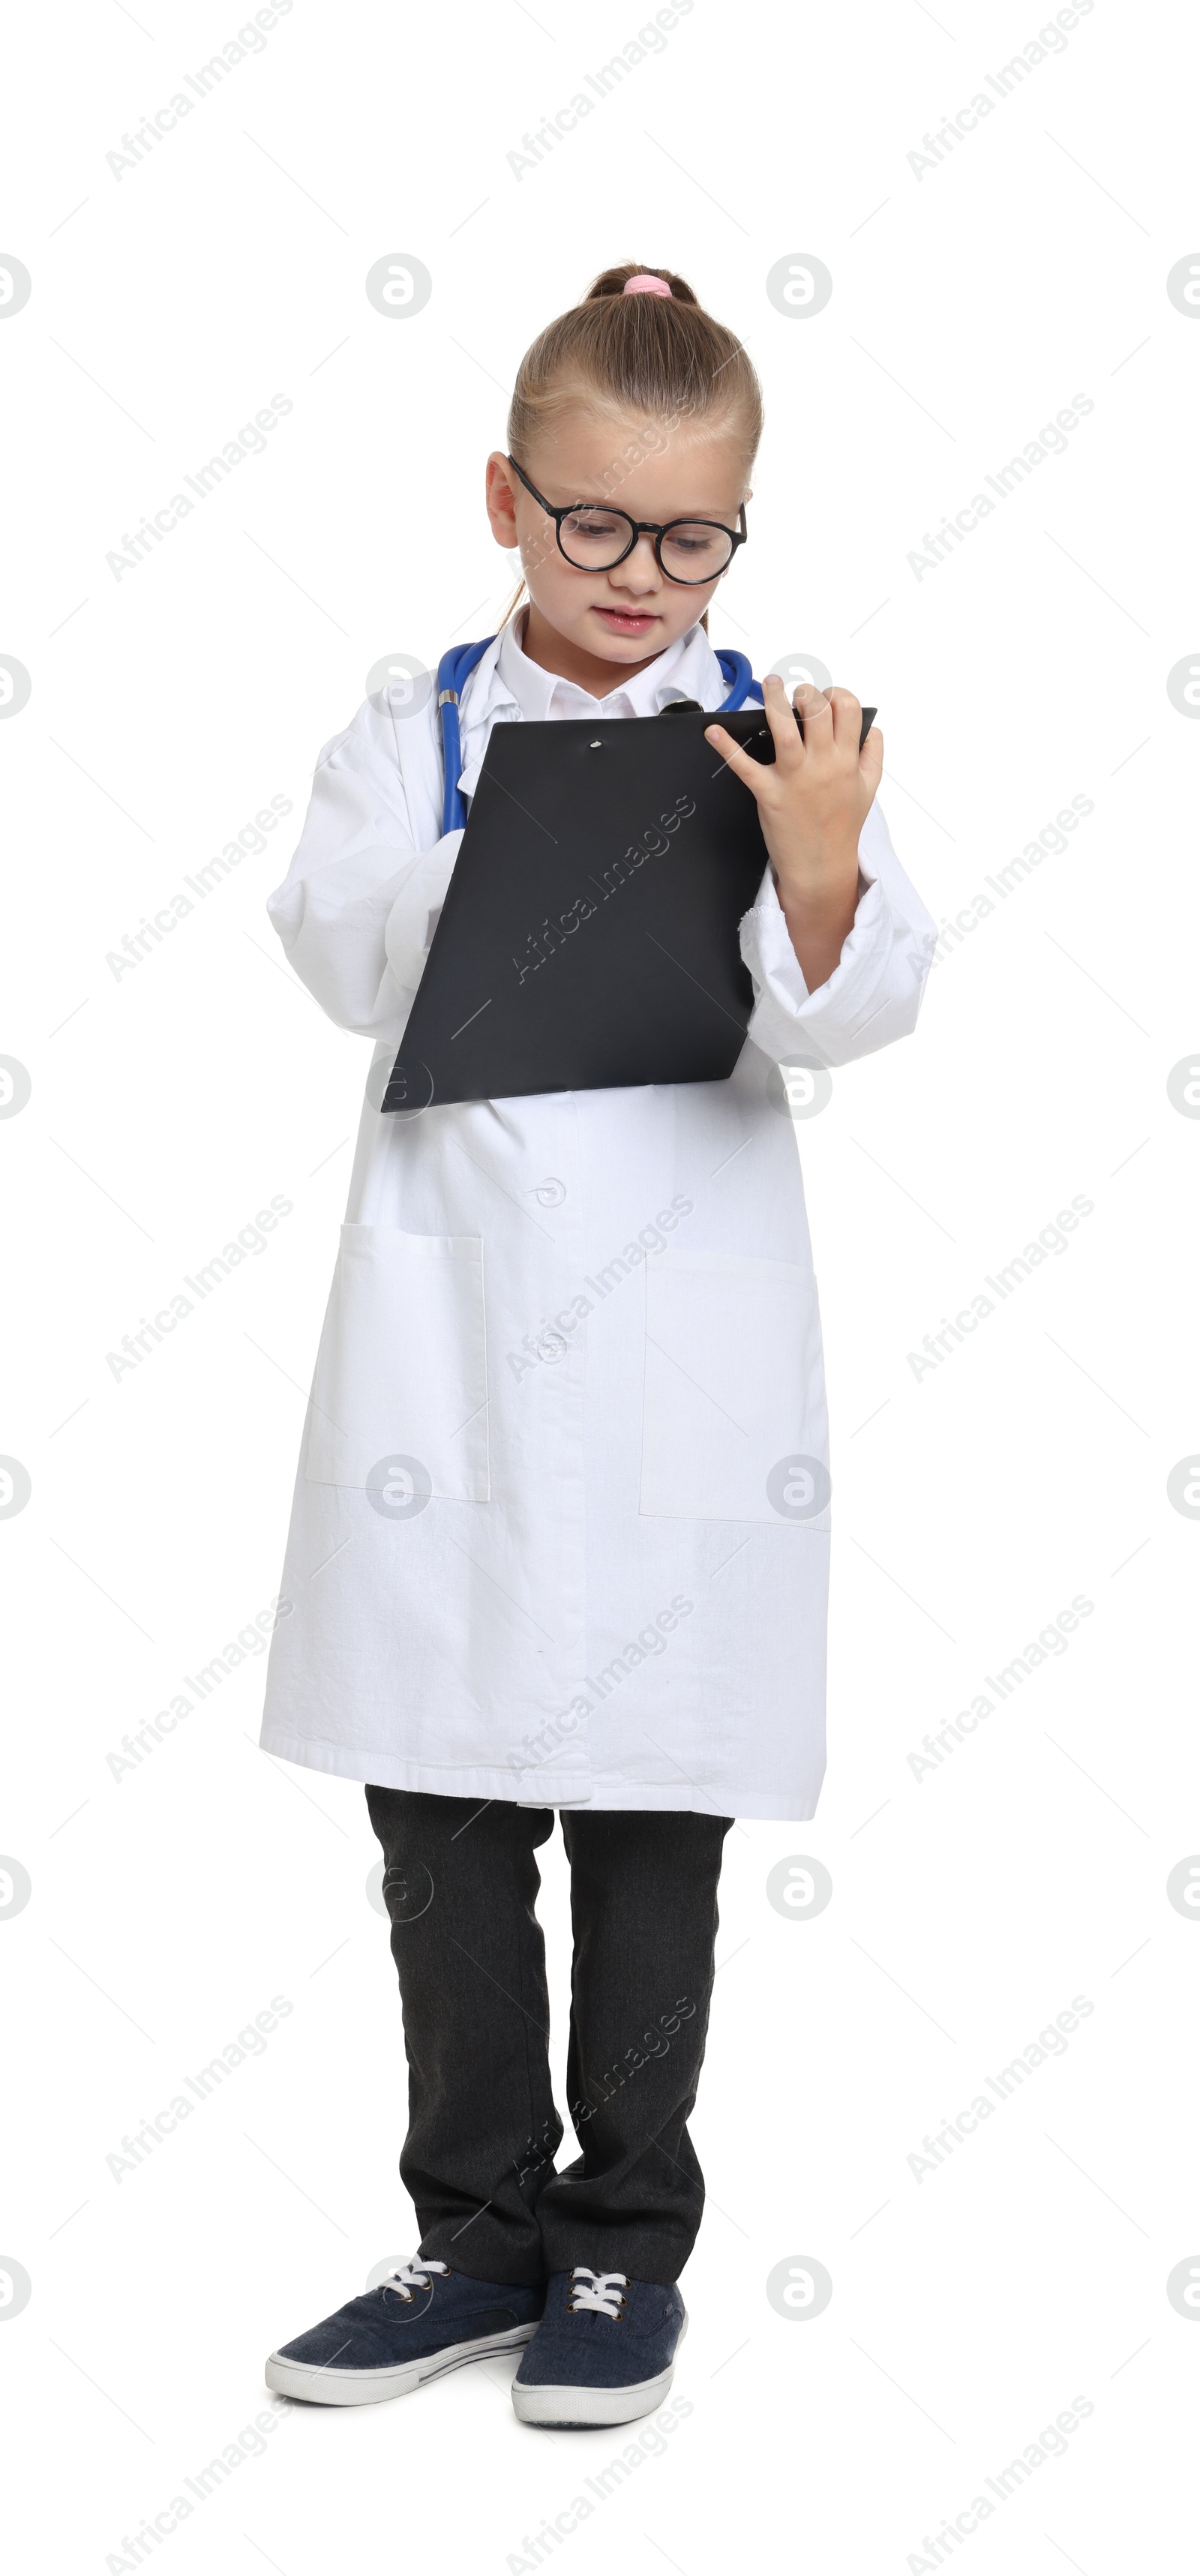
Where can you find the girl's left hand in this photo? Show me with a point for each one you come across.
(813, 800)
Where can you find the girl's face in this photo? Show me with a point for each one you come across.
(629, 613)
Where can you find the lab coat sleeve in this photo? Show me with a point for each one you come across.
(874, 992)
(359, 904)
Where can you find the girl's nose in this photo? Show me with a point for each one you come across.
(640, 571)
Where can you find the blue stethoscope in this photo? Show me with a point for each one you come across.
(454, 669)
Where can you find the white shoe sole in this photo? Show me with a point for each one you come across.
(323, 2385)
(566, 2409)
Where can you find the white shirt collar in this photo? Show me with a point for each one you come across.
(506, 687)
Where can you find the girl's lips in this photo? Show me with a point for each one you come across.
(632, 622)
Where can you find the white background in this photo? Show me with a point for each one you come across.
(970, 1905)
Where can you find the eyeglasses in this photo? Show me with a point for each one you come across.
(594, 538)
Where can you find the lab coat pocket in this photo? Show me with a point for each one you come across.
(734, 1425)
(401, 1373)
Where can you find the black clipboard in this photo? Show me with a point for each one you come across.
(589, 935)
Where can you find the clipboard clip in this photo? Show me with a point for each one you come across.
(692, 707)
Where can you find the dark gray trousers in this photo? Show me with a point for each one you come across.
(460, 1883)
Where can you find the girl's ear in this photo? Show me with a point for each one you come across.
(501, 498)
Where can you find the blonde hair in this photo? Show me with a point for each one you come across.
(659, 356)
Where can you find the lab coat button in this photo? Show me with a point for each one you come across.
(550, 1193)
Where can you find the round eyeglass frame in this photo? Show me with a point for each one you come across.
(638, 528)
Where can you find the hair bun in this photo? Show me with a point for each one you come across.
(613, 281)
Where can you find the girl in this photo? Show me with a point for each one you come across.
(561, 1533)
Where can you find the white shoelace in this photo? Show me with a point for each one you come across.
(598, 2290)
(410, 2276)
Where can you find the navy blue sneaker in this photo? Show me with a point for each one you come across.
(604, 2352)
(423, 2320)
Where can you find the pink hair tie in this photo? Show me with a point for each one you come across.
(644, 285)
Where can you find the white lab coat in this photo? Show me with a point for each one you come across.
(585, 1324)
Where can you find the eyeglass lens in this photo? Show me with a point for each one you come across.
(594, 538)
